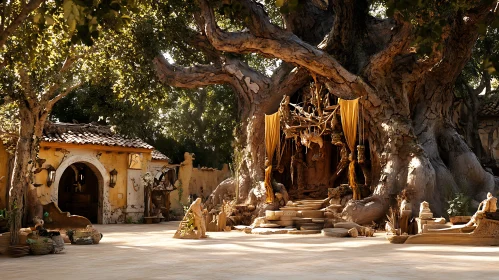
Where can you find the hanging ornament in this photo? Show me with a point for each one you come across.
(361, 156)
(336, 138)
(335, 123)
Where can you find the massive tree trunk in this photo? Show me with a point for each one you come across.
(30, 133)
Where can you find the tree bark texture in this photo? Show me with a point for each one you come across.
(407, 100)
(30, 133)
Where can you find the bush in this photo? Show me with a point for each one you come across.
(459, 206)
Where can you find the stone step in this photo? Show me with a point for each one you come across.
(266, 231)
(311, 214)
(297, 208)
(311, 227)
(269, 225)
(304, 231)
(287, 223)
(289, 213)
(299, 220)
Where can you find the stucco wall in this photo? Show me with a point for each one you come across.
(114, 200)
(4, 174)
(180, 196)
(195, 181)
(126, 200)
(205, 180)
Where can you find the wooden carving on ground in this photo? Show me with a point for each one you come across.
(193, 224)
(298, 166)
(486, 232)
(57, 219)
(488, 205)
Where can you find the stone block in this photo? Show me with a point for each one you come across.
(353, 232)
(335, 232)
(312, 214)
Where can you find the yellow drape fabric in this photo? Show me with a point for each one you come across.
(272, 137)
(349, 111)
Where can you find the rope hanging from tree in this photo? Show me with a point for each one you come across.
(349, 112)
(272, 137)
(361, 149)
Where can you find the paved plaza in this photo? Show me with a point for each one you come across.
(130, 251)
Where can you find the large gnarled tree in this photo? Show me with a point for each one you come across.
(403, 68)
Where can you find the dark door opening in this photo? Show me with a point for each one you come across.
(79, 191)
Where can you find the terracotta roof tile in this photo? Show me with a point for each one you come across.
(89, 134)
(157, 155)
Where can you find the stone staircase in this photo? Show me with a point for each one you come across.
(303, 216)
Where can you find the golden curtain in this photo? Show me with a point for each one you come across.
(349, 111)
(272, 138)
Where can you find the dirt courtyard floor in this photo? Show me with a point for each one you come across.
(150, 252)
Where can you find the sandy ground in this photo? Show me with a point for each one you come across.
(150, 252)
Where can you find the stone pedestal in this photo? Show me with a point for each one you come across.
(422, 222)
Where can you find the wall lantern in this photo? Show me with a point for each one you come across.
(113, 178)
(50, 175)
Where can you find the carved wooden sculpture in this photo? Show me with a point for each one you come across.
(193, 225)
(488, 205)
(341, 165)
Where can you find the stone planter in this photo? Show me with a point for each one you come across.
(85, 237)
(42, 246)
(459, 220)
(58, 244)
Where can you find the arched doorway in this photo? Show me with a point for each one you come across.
(102, 174)
(79, 191)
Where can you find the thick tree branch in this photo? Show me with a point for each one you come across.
(484, 85)
(8, 134)
(285, 46)
(61, 95)
(382, 63)
(11, 28)
(294, 79)
(66, 66)
(27, 95)
(349, 17)
(260, 24)
(189, 77)
(460, 42)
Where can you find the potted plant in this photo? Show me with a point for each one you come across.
(459, 209)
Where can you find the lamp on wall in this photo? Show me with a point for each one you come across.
(113, 178)
(50, 175)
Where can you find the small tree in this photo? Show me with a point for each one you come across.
(53, 52)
